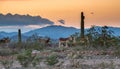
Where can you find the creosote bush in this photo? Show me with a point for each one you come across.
(6, 57)
(26, 59)
(102, 37)
(6, 62)
(52, 60)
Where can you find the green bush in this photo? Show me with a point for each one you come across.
(6, 52)
(26, 58)
(52, 60)
(102, 36)
(117, 53)
(7, 61)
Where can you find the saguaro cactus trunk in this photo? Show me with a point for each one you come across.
(19, 36)
(82, 25)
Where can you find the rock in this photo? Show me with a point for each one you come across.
(67, 63)
(35, 52)
(43, 65)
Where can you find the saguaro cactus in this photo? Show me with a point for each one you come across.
(82, 25)
(19, 36)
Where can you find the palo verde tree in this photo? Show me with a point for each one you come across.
(102, 36)
(92, 35)
(106, 36)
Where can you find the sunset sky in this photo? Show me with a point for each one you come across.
(105, 12)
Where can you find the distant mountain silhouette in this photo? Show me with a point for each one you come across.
(5, 34)
(114, 29)
(53, 32)
(22, 20)
(15, 38)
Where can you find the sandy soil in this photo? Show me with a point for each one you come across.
(75, 64)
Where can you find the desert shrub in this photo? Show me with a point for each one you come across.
(117, 52)
(28, 45)
(6, 57)
(7, 52)
(61, 49)
(74, 55)
(102, 36)
(112, 66)
(76, 63)
(6, 61)
(16, 45)
(77, 48)
(34, 46)
(52, 60)
(25, 58)
(31, 43)
(103, 65)
(55, 49)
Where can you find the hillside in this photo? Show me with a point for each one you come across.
(53, 32)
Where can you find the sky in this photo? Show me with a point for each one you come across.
(97, 12)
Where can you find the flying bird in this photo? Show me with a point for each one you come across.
(61, 21)
(92, 13)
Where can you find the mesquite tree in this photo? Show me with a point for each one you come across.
(101, 36)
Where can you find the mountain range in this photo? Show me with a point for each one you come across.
(53, 32)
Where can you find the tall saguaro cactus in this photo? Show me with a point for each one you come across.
(82, 25)
(19, 35)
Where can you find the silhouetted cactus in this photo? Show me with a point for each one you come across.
(82, 25)
(19, 36)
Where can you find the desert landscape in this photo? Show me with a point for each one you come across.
(59, 34)
(97, 50)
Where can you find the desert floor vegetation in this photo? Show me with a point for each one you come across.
(99, 50)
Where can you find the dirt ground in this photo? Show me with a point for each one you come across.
(75, 64)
